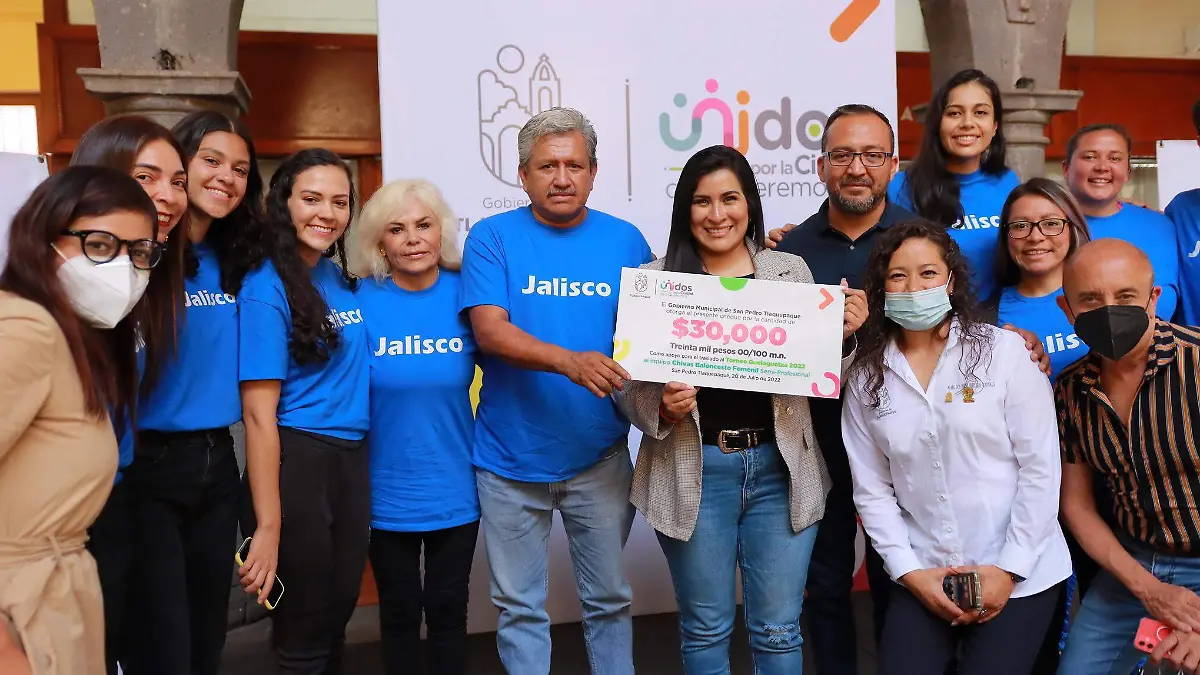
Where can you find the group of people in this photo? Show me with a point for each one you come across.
(154, 296)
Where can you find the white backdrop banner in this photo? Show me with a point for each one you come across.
(659, 81)
(1178, 169)
(19, 175)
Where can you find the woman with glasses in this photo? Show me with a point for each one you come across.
(80, 254)
(184, 481)
(959, 179)
(1042, 225)
(149, 153)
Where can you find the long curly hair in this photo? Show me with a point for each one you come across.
(314, 336)
(237, 238)
(879, 331)
(933, 189)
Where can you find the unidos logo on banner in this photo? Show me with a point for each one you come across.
(788, 132)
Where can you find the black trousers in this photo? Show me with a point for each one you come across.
(110, 541)
(916, 642)
(325, 498)
(828, 611)
(442, 598)
(184, 495)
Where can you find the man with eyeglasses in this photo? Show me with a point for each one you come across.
(858, 161)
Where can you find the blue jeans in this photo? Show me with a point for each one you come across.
(1101, 637)
(744, 521)
(597, 515)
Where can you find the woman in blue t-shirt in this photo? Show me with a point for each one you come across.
(183, 481)
(422, 356)
(1042, 225)
(302, 362)
(1097, 168)
(148, 152)
(959, 178)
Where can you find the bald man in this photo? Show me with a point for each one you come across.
(1129, 415)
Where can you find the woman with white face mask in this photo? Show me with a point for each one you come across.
(953, 445)
(80, 254)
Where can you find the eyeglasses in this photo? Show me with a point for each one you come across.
(1049, 227)
(872, 159)
(101, 247)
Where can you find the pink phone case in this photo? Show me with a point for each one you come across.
(1149, 634)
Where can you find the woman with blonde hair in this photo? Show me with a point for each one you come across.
(405, 249)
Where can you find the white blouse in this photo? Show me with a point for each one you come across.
(965, 473)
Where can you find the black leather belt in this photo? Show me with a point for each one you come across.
(737, 440)
(210, 435)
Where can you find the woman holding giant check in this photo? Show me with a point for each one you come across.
(731, 478)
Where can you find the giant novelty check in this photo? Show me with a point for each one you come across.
(743, 334)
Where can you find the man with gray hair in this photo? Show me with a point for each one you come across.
(540, 285)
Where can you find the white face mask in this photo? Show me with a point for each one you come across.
(102, 293)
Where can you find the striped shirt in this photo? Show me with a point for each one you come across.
(1152, 467)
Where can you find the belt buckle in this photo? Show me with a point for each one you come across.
(751, 439)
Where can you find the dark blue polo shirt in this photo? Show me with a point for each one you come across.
(830, 254)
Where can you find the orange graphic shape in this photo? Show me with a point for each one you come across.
(828, 299)
(855, 14)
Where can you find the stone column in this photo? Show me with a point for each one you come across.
(1019, 43)
(166, 58)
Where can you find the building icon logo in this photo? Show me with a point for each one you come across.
(502, 113)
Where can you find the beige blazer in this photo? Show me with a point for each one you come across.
(57, 465)
(667, 477)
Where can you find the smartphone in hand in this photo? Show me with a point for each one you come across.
(964, 590)
(1149, 634)
(276, 594)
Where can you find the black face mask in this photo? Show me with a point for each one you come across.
(1113, 330)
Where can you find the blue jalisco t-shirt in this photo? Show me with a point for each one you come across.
(982, 198)
(561, 287)
(324, 397)
(1154, 233)
(1045, 319)
(198, 388)
(422, 357)
(1184, 211)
